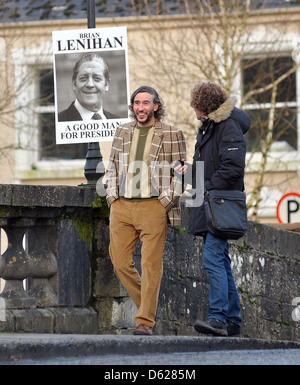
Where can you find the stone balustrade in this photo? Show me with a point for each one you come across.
(46, 266)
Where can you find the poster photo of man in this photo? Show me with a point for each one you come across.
(91, 84)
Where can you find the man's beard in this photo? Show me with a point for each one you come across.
(149, 117)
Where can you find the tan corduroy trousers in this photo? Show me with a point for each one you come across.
(130, 221)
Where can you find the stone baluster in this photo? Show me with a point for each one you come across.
(16, 266)
(44, 265)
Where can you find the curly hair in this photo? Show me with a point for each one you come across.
(207, 97)
(160, 112)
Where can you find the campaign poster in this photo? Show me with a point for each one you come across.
(91, 84)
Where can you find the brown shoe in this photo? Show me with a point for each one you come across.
(143, 330)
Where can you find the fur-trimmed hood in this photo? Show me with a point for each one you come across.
(228, 109)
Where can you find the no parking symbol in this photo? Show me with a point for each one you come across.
(288, 208)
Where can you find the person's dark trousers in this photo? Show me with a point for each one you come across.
(224, 302)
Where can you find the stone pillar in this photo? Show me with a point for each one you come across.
(17, 267)
(44, 264)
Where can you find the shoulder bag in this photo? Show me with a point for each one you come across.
(226, 213)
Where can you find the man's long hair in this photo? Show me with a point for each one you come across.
(160, 112)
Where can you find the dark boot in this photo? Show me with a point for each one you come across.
(211, 326)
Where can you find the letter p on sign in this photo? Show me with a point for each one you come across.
(288, 208)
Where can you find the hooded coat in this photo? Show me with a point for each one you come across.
(222, 147)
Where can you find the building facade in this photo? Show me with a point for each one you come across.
(172, 45)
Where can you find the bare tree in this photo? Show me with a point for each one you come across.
(10, 89)
(269, 135)
(216, 40)
(26, 101)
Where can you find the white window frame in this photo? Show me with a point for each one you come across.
(277, 161)
(27, 162)
(280, 160)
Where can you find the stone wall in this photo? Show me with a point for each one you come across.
(266, 266)
(71, 286)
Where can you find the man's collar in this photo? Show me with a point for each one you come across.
(87, 114)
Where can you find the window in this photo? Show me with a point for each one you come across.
(37, 156)
(46, 122)
(259, 73)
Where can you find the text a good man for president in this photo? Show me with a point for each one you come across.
(88, 41)
(90, 130)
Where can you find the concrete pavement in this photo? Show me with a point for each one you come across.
(16, 346)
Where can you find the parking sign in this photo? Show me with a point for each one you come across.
(288, 208)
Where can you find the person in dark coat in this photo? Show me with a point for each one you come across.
(90, 82)
(222, 147)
